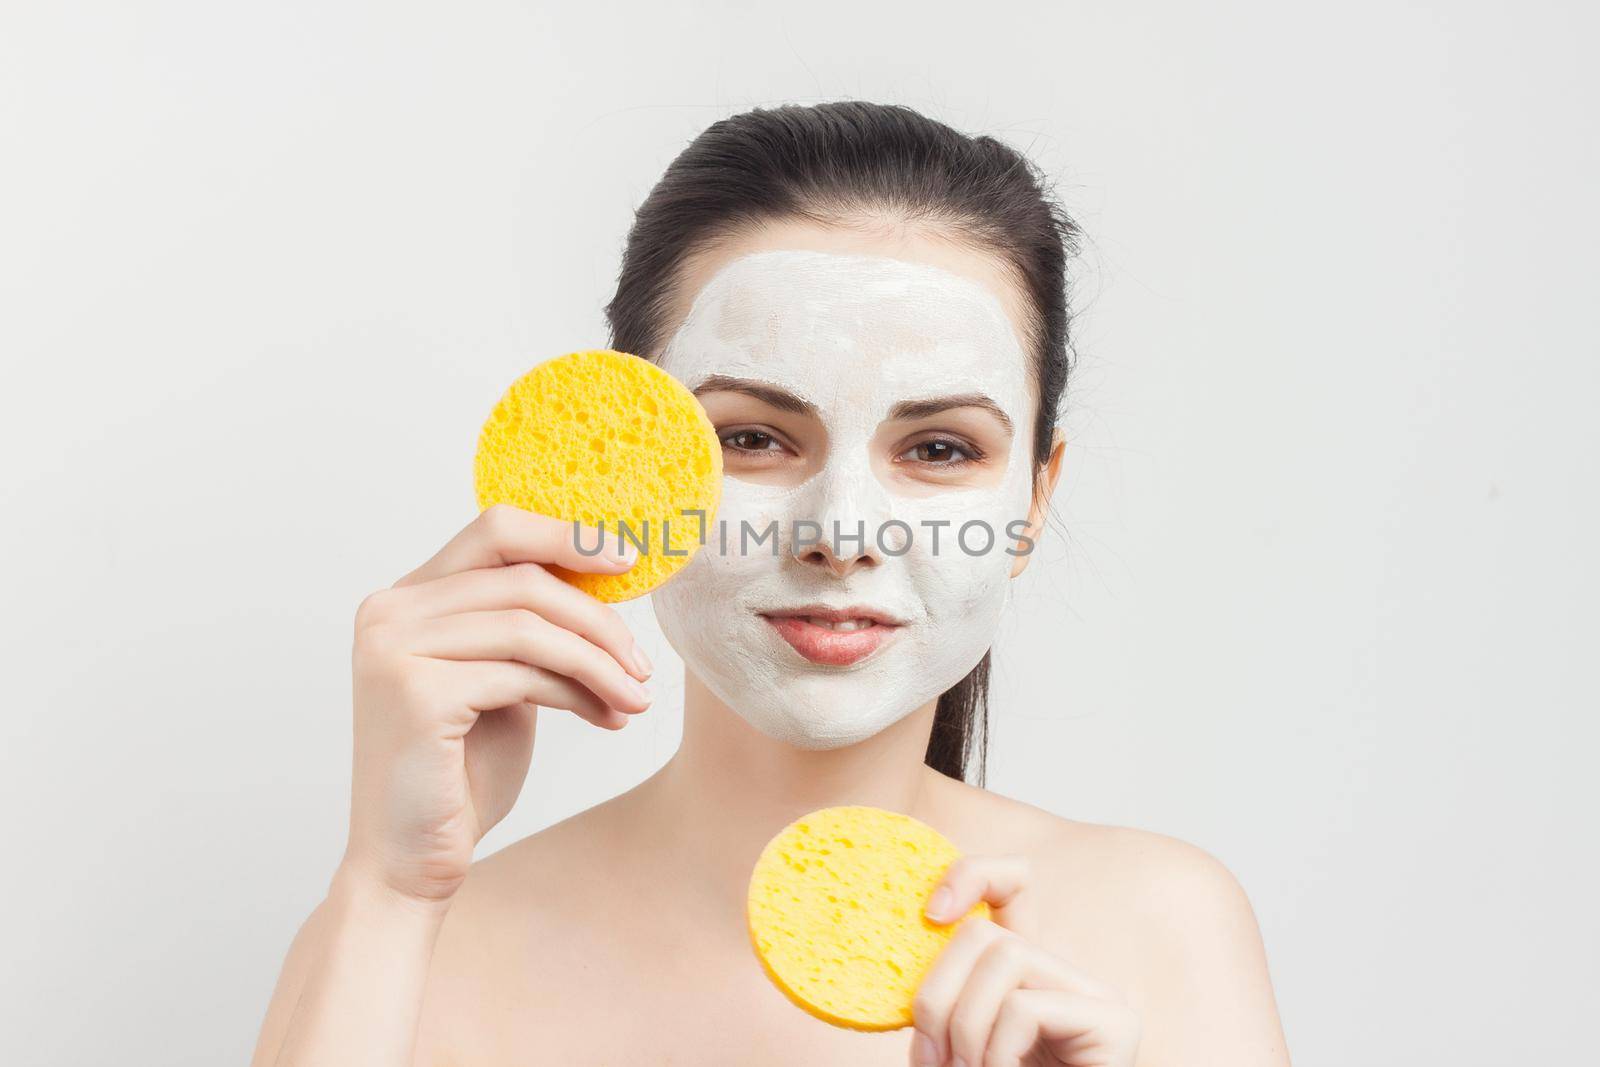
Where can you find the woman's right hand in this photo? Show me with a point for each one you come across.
(447, 667)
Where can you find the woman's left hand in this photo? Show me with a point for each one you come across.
(994, 998)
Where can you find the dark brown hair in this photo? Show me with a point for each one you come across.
(836, 164)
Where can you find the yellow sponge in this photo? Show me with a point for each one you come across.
(604, 438)
(836, 913)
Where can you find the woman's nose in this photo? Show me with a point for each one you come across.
(840, 526)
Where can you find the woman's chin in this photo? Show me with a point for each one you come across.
(805, 713)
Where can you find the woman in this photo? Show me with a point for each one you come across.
(872, 308)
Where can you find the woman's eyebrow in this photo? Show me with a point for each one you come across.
(921, 409)
(779, 398)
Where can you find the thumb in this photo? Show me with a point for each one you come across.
(999, 881)
(497, 752)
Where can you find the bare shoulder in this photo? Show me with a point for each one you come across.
(1163, 879)
(529, 882)
(1158, 918)
(1150, 873)
(517, 905)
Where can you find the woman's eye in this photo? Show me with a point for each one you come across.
(941, 452)
(751, 441)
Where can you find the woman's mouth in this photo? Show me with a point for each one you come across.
(833, 637)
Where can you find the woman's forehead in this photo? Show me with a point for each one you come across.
(868, 328)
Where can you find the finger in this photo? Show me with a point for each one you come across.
(1067, 1024)
(526, 638)
(503, 534)
(531, 587)
(940, 988)
(1007, 964)
(490, 685)
(999, 881)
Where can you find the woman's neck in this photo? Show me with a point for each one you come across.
(729, 787)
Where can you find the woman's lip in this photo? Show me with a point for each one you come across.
(831, 648)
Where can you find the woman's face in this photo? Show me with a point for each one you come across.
(876, 410)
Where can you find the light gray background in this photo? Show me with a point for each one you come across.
(1327, 603)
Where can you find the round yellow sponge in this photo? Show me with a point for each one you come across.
(836, 913)
(606, 438)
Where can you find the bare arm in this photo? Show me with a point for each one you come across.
(351, 987)
(449, 666)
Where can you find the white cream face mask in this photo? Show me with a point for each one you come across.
(853, 335)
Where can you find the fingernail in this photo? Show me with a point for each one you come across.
(626, 552)
(643, 693)
(642, 661)
(958, 1062)
(925, 1051)
(939, 903)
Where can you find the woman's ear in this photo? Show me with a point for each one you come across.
(1041, 500)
